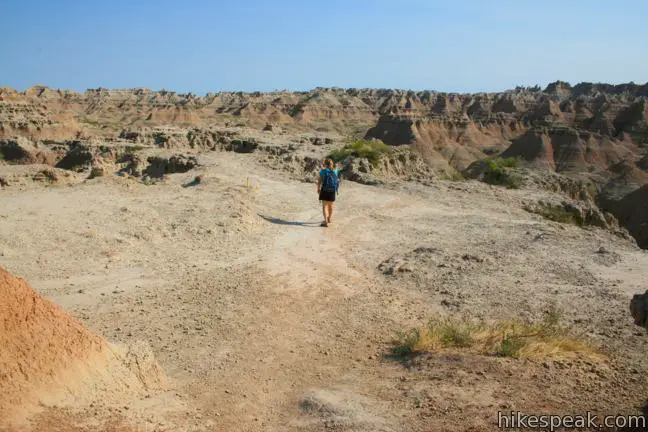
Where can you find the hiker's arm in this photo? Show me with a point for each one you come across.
(319, 183)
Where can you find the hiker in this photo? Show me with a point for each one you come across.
(328, 184)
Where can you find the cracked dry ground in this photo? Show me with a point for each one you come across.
(266, 322)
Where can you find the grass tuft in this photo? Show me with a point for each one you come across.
(511, 338)
(455, 176)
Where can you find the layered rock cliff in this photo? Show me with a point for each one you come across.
(561, 127)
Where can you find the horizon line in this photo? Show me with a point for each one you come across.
(319, 88)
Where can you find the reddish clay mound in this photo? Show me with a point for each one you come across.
(47, 357)
(38, 339)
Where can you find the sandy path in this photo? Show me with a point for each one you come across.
(307, 306)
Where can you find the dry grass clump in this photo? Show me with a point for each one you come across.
(508, 338)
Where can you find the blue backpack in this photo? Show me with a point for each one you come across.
(330, 182)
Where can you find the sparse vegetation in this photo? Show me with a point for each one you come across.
(557, 213)
(372, 150)
(296, 109)
(406, 342)
(510, 338)
(453, 176)
(497, 172)
(510, 162)
(299, 106)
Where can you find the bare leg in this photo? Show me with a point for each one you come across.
(324, 212)
(330, 206)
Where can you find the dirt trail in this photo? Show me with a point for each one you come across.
(264, 321)
(308, 302)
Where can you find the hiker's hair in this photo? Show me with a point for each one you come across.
(328, 163)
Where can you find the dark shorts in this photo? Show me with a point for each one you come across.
(327, 195)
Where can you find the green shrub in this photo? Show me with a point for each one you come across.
(406, 343)
(510, 346)
(372, 150)
(457, 336)
(510, 162)
(497, 173)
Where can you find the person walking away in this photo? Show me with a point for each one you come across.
(328, 184)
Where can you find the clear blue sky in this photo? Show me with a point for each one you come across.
(202, 46)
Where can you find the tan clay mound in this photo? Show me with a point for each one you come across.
(566, 149)
(49, 358)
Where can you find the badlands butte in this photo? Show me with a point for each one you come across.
(165, 269)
